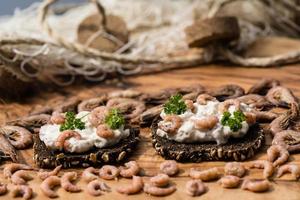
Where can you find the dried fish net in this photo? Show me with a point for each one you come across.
(156, 27)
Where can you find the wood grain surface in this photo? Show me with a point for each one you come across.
(210, 76)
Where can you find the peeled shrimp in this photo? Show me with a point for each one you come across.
(11, 168)
(195, 188)
(205, 175)
(204, 98)
(224, 106)
(290, 168)
(43, 174)
(235, 169)
(263, 164)
(189, 104)
(206, 123)
(98, 115)
(289, 139)
(22, 190)
(279, 152)
(48, 184)
(131, 169)
(280, 96)
(169, 167)
(158, 191)
(109, 172)
(96, 187)
(3, 189)
(57, 118)
(160, 180)
(19, 137)
(62, 142)
(230, 181)
(89, 174)
(20, 177)
(135, 187)
(90, 104)
(174, 124)
(66, 182)
(104, 131)
(256, 186)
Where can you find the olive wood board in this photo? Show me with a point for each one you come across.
(209, 76)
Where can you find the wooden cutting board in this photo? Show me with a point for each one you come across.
(209, 76)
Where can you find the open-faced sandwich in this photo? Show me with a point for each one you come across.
(86, 138)
(206, 129)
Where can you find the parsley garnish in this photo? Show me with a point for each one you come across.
(175, 105)
(114, 119)
(72, 123)
(234, 122)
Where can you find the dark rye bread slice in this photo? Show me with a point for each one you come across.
(237, 149)
(47, 158)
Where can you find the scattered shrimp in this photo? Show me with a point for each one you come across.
(169, 167)
(189, 104)
(204, 98)
(96, 187)
(280, 96)
(66, 182)
(104, 131)
(195, 188)
(160, 180)
(205, 175)
(277, 151)
(43, 174)
(263, 164)
(256, 186)
(136, 186)
(97, 115)
(250, 117)
(228, 92)
(109, 172)
(235, 169)
(57, 118)
(20, 177)
(19, 137)
(262, 86)
(48, 184)
(224, 106)
(90, 104)
(131, 169)
(11, 168)
(290, 168)
(289, 139)
(130, 107)
(89, 174)
(158, 191)
(230, 181)
(22, 190)
(62, 142)
(174, 123)
(3, 189)
(206, 123)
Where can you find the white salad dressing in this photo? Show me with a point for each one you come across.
(89, 139)
(187, 133)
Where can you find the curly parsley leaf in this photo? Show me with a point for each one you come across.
(175, 105)
(72, 123)
(233, 122)
(114, 119)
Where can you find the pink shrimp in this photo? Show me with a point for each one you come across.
(205, 175)
(229, 102)
(135, 187)
(48, 184)
(195, 188)
(160, 180)
(169, 167)
(235, 169)
(173, 126)
(189, 104)
(291, 168)
(57, 118)
(230, 181)
(96, 187)
(104, 131)
(256, 186)
(206, 123)
(98, 115)
(89, 174)
(23, 191)
(263, 164)
(131, 169)
(62, 142)
(20, 177)
(43, 174)
(204, 98)
(11, 168)
(277, 151)
(158, 191)
(109, 172)
(66, 182)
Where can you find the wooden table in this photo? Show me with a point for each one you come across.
(210, 76)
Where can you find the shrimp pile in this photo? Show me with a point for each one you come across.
(289, 139)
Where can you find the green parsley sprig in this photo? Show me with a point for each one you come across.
(114, 119)
(175, 105)
(72, 123)
(234, 122)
